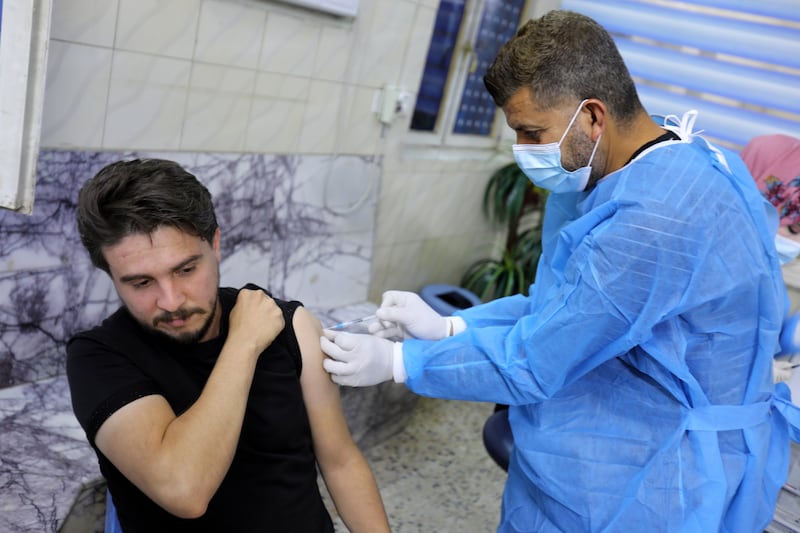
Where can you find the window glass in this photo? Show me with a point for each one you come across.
(437, 64)
(499, 22)
(453, 108)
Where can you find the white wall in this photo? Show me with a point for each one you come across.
(225, 75)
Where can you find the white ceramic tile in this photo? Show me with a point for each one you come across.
(75, 95)
(417, 49)
(362, 37)
(218, 108)
(323, 119)
(382, 61)
(274, 126)
(184, 159)
(84, 21)
(282, 86)
(334, 53)
(452, 198)
(363, 129)
(226, 80)
(276, 117)
(158, 27)
(402, 273)
(436, 209)
(412, 223)
(289, 45)
(394, 197)
(229, 34)
(146, 102)
(381, 263)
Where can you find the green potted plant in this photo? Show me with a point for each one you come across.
(511, 199)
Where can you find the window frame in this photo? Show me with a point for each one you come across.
(442, 135)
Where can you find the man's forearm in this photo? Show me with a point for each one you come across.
(356, 496)
(198, 446)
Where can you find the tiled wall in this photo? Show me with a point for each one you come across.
(226, 75)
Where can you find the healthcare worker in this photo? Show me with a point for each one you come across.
(638, 370)
(774, 162)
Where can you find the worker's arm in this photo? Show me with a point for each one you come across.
(180, 461)
(347, 474)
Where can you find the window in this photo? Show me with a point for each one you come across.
(453, 107)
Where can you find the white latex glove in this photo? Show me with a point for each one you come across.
(404, 314)
(781, 370)
(357, 360)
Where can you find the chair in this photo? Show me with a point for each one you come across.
(790, 335)
(111, 523)
(497, 437)
(445, 300)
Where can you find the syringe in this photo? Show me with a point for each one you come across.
(343, 325)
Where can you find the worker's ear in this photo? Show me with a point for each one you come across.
(598, 114)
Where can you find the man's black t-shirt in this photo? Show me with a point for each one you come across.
(272, 482)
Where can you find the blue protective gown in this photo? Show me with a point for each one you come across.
(639, 370)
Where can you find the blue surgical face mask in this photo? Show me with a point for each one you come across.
(542, 164)
(787, 249)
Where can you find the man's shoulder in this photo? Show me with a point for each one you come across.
(116, 324)
(287, 338)
(228, 297)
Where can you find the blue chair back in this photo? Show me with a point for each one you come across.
(111, 523)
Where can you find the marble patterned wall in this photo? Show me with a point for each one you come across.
(301, 226)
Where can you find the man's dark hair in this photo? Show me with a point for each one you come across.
(564, 57)
(138, 197)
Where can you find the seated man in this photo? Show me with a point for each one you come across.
(208, 407)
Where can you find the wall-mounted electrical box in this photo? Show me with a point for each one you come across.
(391, 102)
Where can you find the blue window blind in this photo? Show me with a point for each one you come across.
(735, 61)
(437, 64)
(499, 21)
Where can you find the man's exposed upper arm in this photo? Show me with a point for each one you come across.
(321, 395)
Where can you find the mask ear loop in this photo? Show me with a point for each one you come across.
(596, 143)
(572, 120)
(594, 150)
